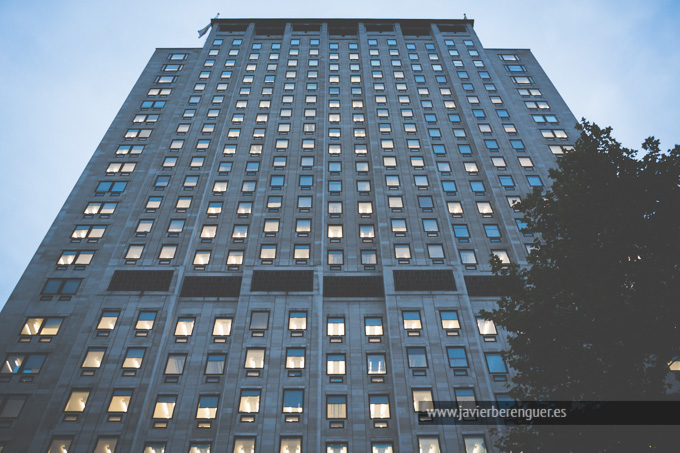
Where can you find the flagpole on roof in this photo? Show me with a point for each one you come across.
(205, 29)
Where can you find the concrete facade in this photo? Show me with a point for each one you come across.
(316, 178)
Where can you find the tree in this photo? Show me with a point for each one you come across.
(595, 316)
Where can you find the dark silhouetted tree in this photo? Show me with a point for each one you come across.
(596, 314)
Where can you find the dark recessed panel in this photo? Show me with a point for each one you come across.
(481, 286)
(415, 28)
(221, 286)
(140, 281)
(379, 27)
(431, 280)
(360, 286)
(343, 28)
(307, 28)
(282, 281)
(235, 27)
(270, 28)
(451, 28)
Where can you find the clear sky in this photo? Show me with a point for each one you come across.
(66, 67)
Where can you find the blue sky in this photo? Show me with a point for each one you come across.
(67, 66)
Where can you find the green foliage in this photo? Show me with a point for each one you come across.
(594, 317)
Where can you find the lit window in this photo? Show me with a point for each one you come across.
(335, 364)
(395, 202)
(295, 358)
(455, 208)
(412, 320)
(486, 326)
(77, 401)
(335, 231)
(184, 327)
(93, 358)
(78, 258)
(297, 320)
(336, 407)
(369, 257)
(134, 252)
(379, 406)
(449, 320)
(105, 445)
(133, 358)
(373, 327)
(429, 445)
(474, 444)
(402, 251)
(244, 445)
(384, 447)
(268, 252)
(165, 407)
(108, 320)
(120, 401)
(207, 407)
(254, 358)
(291, 445)
(222, 327)
(249, 402)
(422, 400)
(336, 326)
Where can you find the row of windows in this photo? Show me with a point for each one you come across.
(245, 444)
(275, 203)
(259, 321)
(313, 42)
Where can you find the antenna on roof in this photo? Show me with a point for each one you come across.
(464, 16)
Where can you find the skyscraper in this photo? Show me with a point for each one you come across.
(282, 244)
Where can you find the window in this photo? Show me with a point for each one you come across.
(486, 326)
(386, 447)
(430, 445)
(104, 209)
(297, 320)
(93, 358)
(133, 358)
(165, 407)
(254, 358)
(402, 251)
(376, 363)
(457, 357)
(222, 327)
(108, 320)
(373, 327)
(77, 258)
(295, 358)
(41, 326)
(207, 407)
(293, 401)
(106, 445)
(449, 320)
(249, 402)
(422, 400)
(417, 357)
(22, 364)
(379, 406)
(492, 232)
(259, 320)
(77, 401)
(336, 257)
(411, 320)
(184, 326)
(474, 444)
(369, 257)
(461, 233)
(291, 445)
(215, 364)
(335, 231)
(335, 326)
(120, 401)
(62, 286)
(468, 258)
(335, 364)
(336, 407)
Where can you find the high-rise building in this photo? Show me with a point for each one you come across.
(282, 245)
